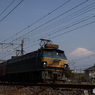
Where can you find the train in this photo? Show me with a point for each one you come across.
(48, 63)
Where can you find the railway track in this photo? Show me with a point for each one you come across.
(46, 89)
(80, 86)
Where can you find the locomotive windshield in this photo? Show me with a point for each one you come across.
(54, 53)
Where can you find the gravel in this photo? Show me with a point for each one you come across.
(36, 90)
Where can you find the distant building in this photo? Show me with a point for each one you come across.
(90, 74)
(78, 71)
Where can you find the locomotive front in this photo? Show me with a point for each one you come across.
(47, 63)
(54, 63)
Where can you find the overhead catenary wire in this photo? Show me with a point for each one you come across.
(41, 30)
(64, 33)
(69, 17)
(11, 10)
(72, 24)
(69, 30)
(51, 19)
(63, 27)
(38, 20)
(7, 7)
(68, 26)
(75, 29)
(55, 17)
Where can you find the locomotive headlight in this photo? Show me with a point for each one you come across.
(44, 64)
(66, 65)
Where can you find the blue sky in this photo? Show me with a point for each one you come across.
(65, 25)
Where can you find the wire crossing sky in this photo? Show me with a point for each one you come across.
(68, 23)
(11, 11)
(7, 7)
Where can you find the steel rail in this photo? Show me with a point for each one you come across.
(80, 86)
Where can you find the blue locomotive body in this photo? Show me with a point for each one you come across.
(47, 63)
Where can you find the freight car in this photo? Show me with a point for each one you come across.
(46, 64)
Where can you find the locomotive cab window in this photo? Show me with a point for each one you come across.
(54, 52)
(48, 52)
(60, 53)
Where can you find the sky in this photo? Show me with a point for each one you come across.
(68, 23)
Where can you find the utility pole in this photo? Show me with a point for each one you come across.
(18, 52)
(2, 44)
(22, 44)
(10, 44)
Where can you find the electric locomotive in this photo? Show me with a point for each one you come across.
(55, 63)
(46, 64)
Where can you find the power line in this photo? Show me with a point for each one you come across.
(18, 52)
(65, 27)
(71, 16)
(39, 19)
(62, 28)
(68, 31)
(11, 10)
(7, 7)
(74, 23)
(73, 29)
(51, 19)
(54, 18)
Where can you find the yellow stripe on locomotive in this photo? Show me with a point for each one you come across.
(54, 57)
(55, 62)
